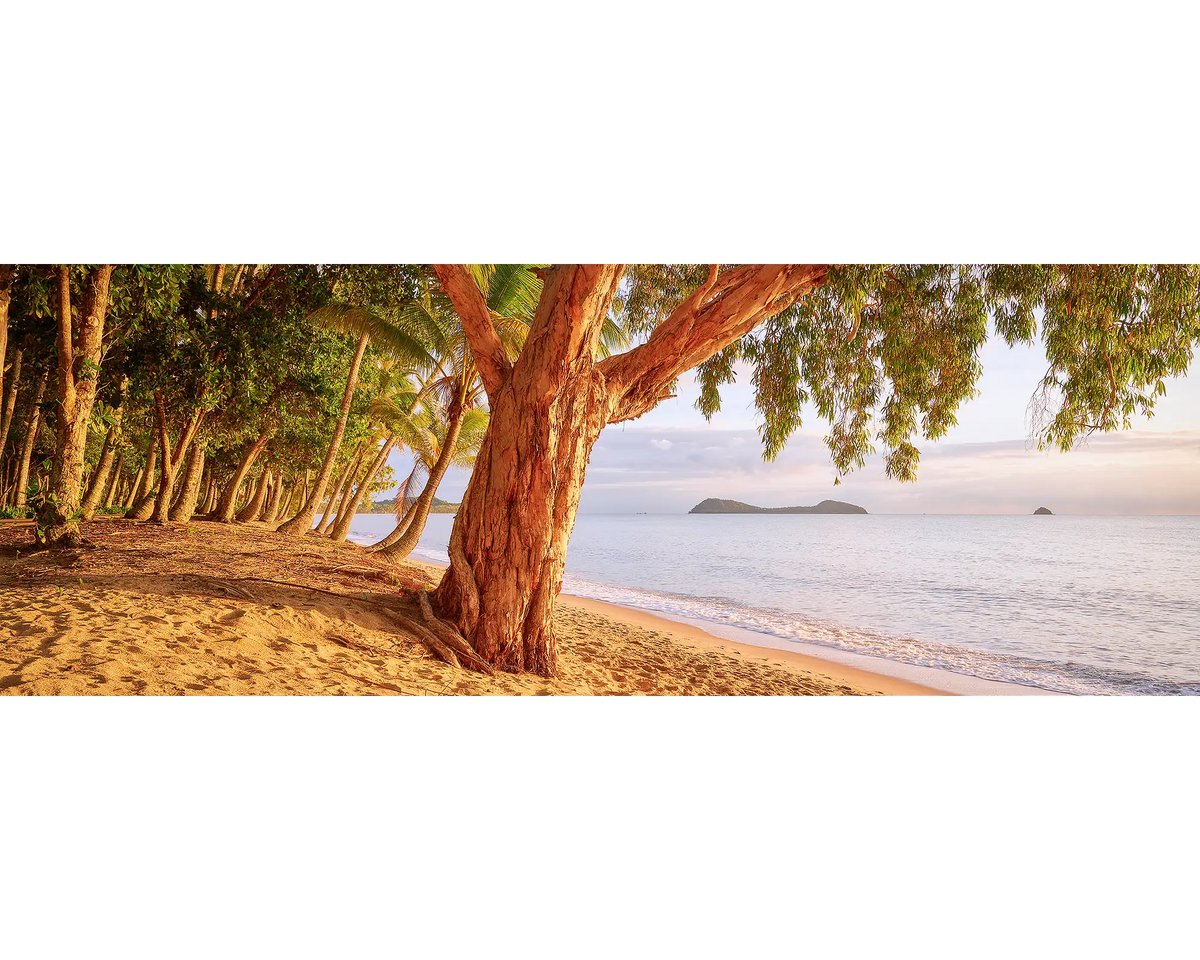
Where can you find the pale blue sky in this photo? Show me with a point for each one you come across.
(671, 459)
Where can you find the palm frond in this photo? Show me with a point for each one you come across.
(390, 337)
(613, 337)
(513, 290)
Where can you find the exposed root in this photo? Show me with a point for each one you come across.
(418, 633)
(448, 635)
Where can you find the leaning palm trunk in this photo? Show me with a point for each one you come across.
(341, 529)
(420, 510)
(339, 488)
(403, 518)
(302, 523)
(348, 488)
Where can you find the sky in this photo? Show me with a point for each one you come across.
(671, 459)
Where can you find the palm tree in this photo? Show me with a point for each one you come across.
(429, 438)
(451, 378)
(396, 340)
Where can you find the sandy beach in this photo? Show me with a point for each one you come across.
(214, 609)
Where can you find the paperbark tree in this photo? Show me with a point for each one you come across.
(99, 480)
(189, 488)
(32, 425)
(509, 542)
(79, 343)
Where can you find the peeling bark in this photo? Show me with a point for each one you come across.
(509, 542)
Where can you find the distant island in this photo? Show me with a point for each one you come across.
(1043, 512)
(715, 505)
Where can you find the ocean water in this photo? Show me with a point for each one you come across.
(1080, 605)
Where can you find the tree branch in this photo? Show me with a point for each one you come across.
(270, 278)
(490, 358)
(725, 308)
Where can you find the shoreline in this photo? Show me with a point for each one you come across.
(217, 609)
(890, 677)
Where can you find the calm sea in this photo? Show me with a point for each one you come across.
(1082, 605)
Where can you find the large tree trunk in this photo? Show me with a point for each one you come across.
(302, 523)
(31, 431)
(341, 529)
(508, 546)
(79, 344)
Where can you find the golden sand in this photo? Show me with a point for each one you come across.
(181, 610)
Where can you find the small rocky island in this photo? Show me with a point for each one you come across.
(715, 505)
(1042, 512)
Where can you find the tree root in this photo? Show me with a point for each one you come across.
(448, 635)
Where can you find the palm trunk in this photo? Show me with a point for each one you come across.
(302, 523)
(142, 504)
(337, 510)
(339, 488)
(341, 529)
(271, 510)
(420, 511)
